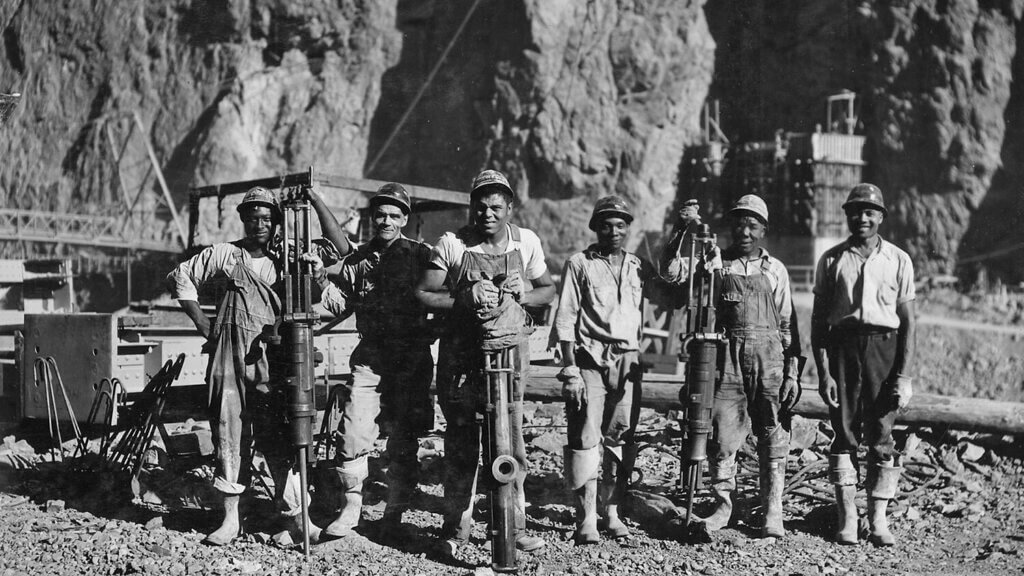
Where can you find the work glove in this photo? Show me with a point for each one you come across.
(316, 266)
(789, 394)
(829, 391)
(574, 389)
(713, 261)
(903, 392)
(688, 214)
(513, 284)
(480, 295)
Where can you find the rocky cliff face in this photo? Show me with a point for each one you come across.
(573, 99)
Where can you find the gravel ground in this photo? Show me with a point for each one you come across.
(960, 513)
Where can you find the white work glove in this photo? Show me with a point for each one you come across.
(316, 266)
(903, 392)
(574, 389)
(714, 260)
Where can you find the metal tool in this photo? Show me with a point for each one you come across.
(295, 338)
(699, 350)
(500, 374)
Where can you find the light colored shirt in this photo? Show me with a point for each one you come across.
(600, 307)
(447, 255)
(864, 291)
(212, 262)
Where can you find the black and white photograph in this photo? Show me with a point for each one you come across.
(535, 287)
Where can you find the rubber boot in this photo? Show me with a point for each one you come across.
(401, 478)
(352, 474)
(843, 476)
(581, 470)
(773, 473)
(230, 528)
(524, 542)
(881, 487)
(289, 494)
(723, 484)
(617, 470)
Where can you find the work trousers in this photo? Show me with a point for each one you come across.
(391, 386)
(612, 408)
(748, 393)
(862, 363)
(460, 391)
(260, 425)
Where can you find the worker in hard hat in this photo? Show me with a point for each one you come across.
(760, 373)
(391, 367)
(490, 269)
(597, 329)
(245, 407)
(862, 335)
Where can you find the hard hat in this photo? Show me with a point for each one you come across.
(610, 206)
(392, 193)
(489, 178)
(753, 204)
(866, 194)
(260, 196)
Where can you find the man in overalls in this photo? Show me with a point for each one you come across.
(760, 375)
(489, 269)
(597, 328)
(246, 409)
(391, 367)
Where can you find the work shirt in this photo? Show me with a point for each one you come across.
(599, 309)
(678, 272)
(863, 291)
(217, 263)
(447, 255)
(212, 262)
(379, 286)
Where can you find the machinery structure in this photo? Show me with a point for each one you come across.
(803, 177)
(502, 468)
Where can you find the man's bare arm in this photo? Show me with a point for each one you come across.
(542, 293)
(432, 292)
(905, 338)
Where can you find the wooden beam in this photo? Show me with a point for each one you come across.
(973, 414)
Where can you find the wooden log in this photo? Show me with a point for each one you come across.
(661, 392)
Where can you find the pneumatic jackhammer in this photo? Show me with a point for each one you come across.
(294, 340)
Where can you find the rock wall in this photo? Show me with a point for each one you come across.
(225, 90)
(940, 94)
(572, 100)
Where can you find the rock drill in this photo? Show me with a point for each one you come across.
(700, 347)
(294, 340)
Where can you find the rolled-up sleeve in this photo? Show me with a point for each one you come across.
(186, 278)
(564, 328)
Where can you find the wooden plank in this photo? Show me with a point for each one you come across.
(661, 392)
(335, 182)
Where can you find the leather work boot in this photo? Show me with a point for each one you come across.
(230, 528)
(581, 467)
(352, 475)
(773, 474)
(881, 487)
